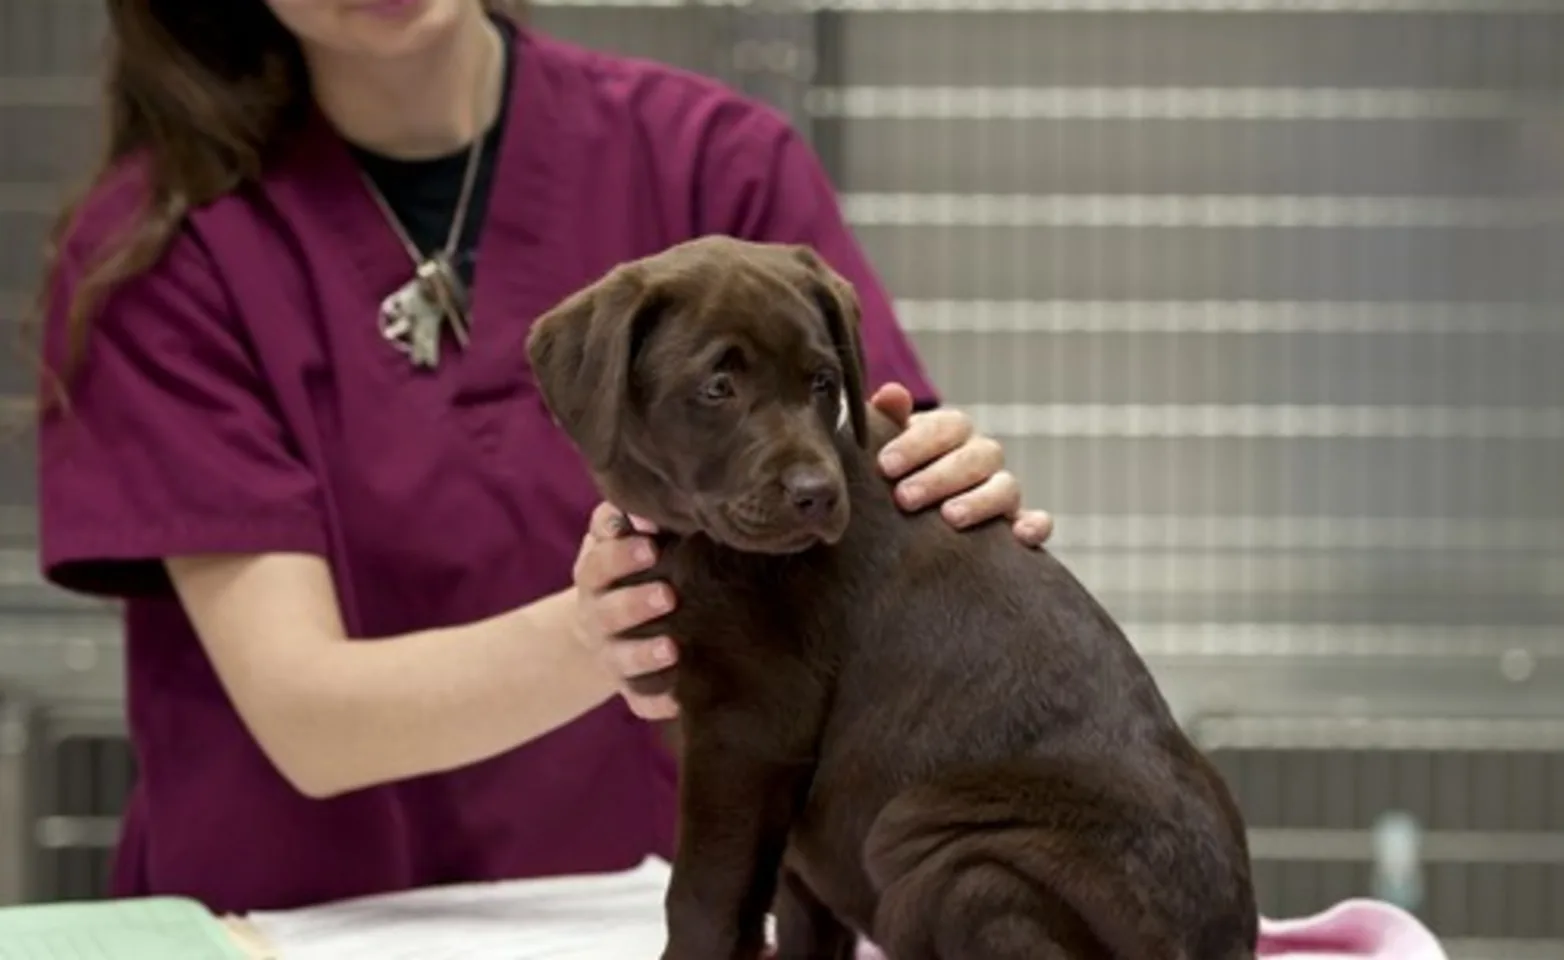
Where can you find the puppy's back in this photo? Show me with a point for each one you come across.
(1023, 712)
(1016, 650)
(1008, 625)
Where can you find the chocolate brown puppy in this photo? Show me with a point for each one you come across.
(934, 738)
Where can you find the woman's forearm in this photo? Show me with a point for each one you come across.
(385, 710)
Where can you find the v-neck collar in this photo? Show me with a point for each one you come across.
(521, 219)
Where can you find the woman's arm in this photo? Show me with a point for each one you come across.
(172, 447)
(335, 715)
(173, 468)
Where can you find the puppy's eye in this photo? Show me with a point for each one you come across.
(825, 382)
(717, 389)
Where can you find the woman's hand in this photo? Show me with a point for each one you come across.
(942, 459)
(608, 553)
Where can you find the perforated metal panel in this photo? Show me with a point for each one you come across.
(65, 771)
(47, 129)
(1262, 296)
(83, 770)
(53, 649)
(1220, 260)
(1486, 795)
(14, 786)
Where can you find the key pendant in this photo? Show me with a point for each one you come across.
(410, 320)
(424, 340)
(414, 316)
(445, 288)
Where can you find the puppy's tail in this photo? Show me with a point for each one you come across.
(1051, 861)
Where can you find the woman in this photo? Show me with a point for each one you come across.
(253, 446)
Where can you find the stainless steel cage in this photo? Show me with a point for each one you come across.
(1262, 296)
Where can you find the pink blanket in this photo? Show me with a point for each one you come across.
(1351, 930)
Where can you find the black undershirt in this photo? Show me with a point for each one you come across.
(424, 193)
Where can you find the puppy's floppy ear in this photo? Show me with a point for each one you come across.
(583, 354)
(838, 302)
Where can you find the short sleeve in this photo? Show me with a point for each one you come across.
(169, 444)
(766, 184)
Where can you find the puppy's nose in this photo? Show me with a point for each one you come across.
(811, 491)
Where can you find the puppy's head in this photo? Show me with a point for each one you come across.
(706, 386)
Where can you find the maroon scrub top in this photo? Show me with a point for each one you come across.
(239, 398)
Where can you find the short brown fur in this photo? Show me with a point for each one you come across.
(935, 738)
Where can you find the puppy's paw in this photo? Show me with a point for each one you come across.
(759, 953)
(833, 944)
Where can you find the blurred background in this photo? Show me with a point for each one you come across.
(1264, 298)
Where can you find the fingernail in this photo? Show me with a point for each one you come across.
(956, 513)
(663, 652)
(912, 494)
(643, 553)
(892, 463)
(660, 600)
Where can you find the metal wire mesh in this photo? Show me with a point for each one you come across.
(1262, 296)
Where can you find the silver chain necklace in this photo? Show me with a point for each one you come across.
(413, 318)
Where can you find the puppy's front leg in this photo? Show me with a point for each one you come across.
(806, 928)
(735, 811)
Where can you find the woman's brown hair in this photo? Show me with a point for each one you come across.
(202, 93)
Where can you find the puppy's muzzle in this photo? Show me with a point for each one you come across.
(812, 493)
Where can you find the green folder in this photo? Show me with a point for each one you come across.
(149, 928)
